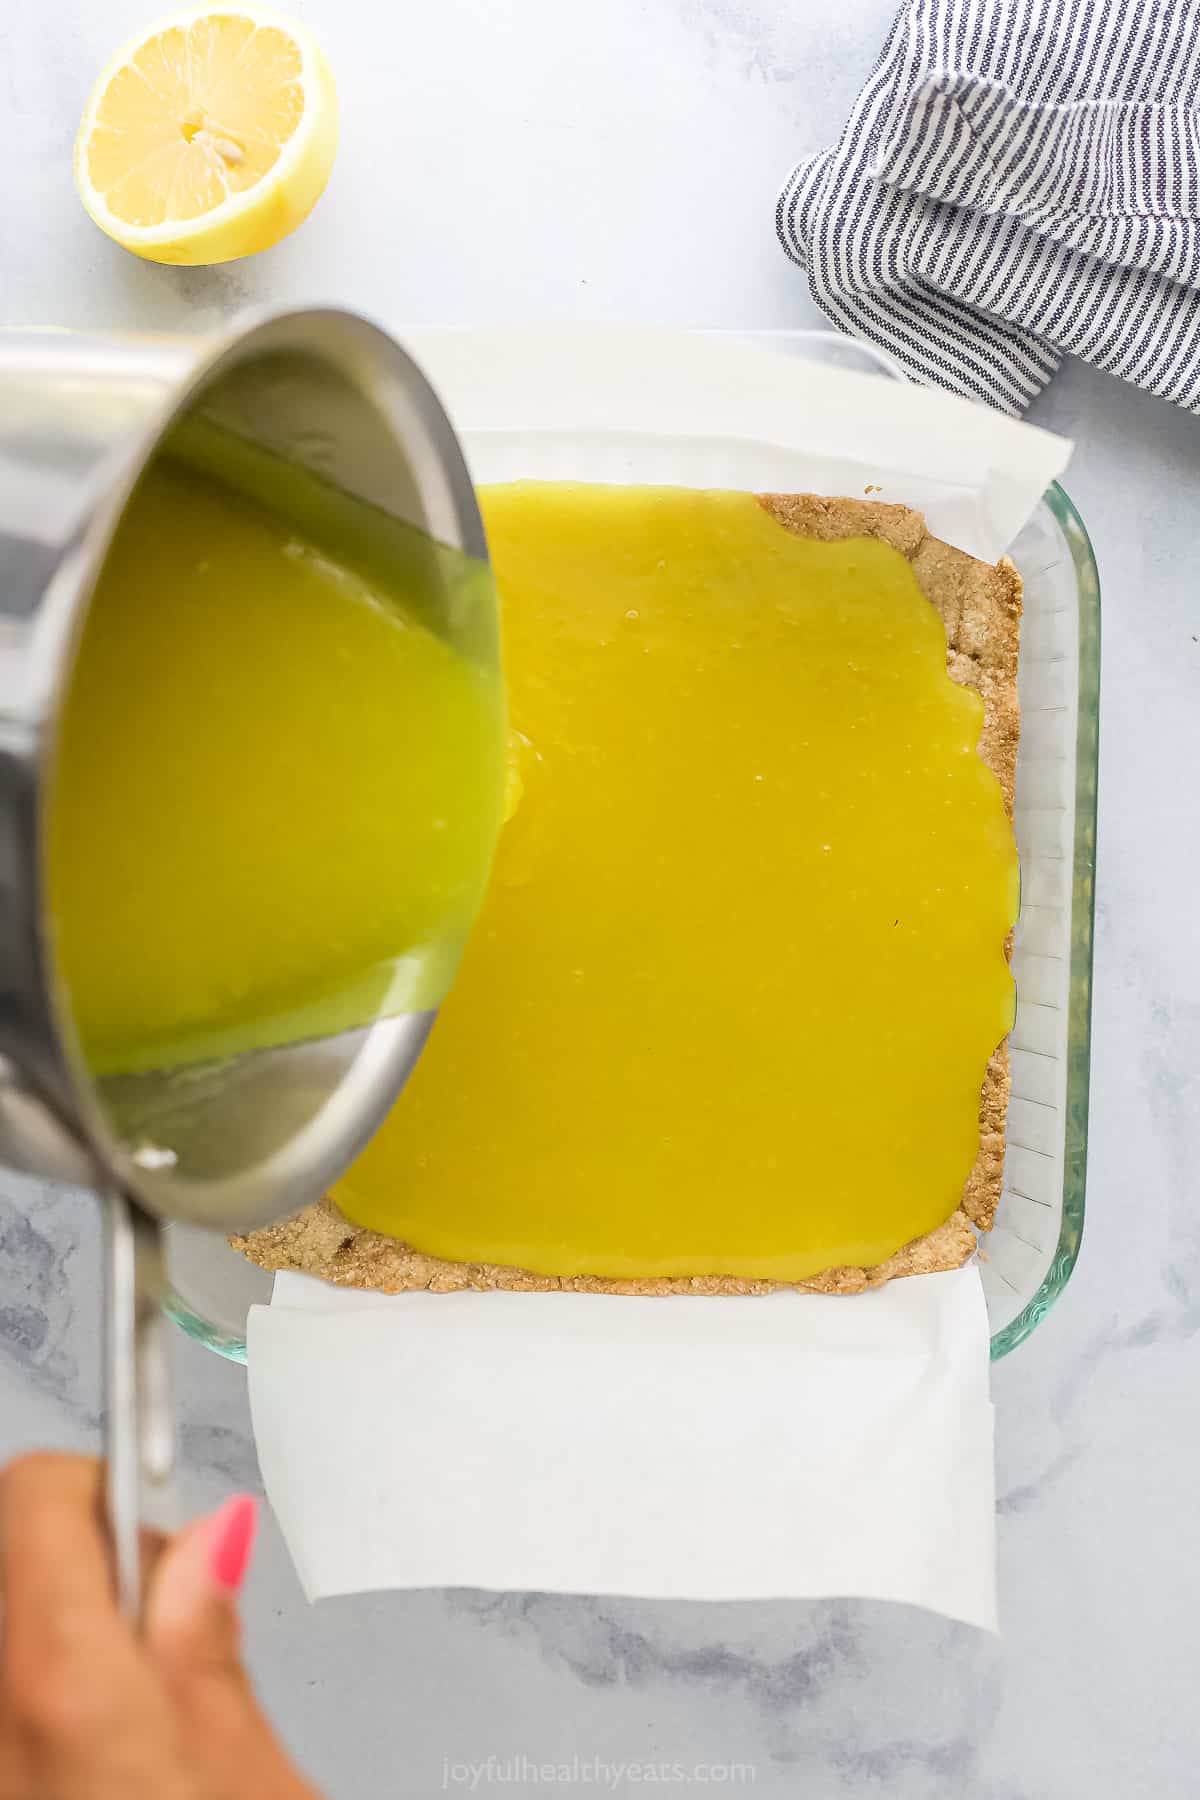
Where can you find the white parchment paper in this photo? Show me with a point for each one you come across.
(703, 1448)
(748, 417)
(795, 1445)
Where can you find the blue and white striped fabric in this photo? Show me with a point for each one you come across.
(1019, 179)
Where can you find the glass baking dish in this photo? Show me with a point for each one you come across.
(1026, 1261)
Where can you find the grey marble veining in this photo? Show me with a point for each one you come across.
(622, 163)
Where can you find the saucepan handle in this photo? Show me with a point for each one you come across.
(139, 1427)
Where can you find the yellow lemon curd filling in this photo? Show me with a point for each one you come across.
(276, 790)
(741, 965)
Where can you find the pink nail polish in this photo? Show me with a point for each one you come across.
(232, 1541)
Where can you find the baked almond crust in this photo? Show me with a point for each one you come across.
(980, 606)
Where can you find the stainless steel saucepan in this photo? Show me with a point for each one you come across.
(252, 1138)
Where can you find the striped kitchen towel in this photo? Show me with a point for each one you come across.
(1019, 179)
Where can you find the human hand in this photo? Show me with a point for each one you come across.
(90, 1711)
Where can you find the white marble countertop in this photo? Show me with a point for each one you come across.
(621, 162)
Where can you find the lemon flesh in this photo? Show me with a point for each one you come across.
(210, 137)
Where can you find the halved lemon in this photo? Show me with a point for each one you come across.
(210, 136)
